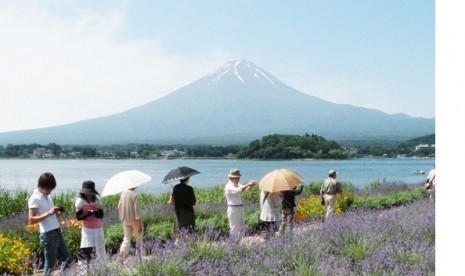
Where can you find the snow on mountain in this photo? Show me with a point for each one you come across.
(242, 70)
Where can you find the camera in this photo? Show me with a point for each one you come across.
(61, 209)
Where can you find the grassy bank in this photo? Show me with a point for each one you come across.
(210, 250)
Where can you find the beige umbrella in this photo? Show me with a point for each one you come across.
(279, 180)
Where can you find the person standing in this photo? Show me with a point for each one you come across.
(430, 184)
(233, 191)
(43, 212)
(89, 211)
(329, 190)
(130, 215)
(270, 213)
(183, 198)
(288, 208)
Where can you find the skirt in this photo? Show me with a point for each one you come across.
(94, 237)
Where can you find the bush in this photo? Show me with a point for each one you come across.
(252, 221)
(310, 207)
(113, 238)
(110, 201)
(314, 188)
(203, 249)
(12, 203)
(30, 236)
(216, 195)
(162, 230)
(173, 266)
(217, 222)
(66, 200)
(14, 256)
(394, 198)
(72, 234)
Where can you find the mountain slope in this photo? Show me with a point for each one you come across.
(236, 104)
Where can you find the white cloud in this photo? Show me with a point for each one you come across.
(58, 69)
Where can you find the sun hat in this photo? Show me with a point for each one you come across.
(332, 172)
(234, 173)
(88, 186)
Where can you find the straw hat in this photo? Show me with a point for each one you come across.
(234, 173)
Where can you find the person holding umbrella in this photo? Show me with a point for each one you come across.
(233, 191)
(271, 198)
(183, 199)
(125, 182)
(130, 215)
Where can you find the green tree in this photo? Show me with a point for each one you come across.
(278, 146)
(55, 148)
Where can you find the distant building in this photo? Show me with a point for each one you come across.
(172, 154)
(134, 154)
(42, 153)
(230, 156)
(38, 152)
(424, 146)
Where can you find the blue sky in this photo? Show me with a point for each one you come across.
(65, 61)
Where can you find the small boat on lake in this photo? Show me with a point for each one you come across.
(419, 172)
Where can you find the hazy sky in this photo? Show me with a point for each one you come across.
(65, 61)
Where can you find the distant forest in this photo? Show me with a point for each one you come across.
(278, 146)
(275, 146)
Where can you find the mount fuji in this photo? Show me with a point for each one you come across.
(238, 103)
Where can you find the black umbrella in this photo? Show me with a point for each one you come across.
(179, 173)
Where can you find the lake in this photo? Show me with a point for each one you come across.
(23, 173)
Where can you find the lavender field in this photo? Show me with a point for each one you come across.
(396, 241)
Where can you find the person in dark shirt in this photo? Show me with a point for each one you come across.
(183, 198)
(288, 208)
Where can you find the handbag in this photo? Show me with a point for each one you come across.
(428, 185)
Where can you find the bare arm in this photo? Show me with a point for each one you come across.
(35, 217)
(246, 187)
(249, 185)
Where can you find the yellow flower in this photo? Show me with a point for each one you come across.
(14, 255)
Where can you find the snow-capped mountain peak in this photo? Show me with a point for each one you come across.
(243, 71)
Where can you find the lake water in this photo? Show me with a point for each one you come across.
(23, 174)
